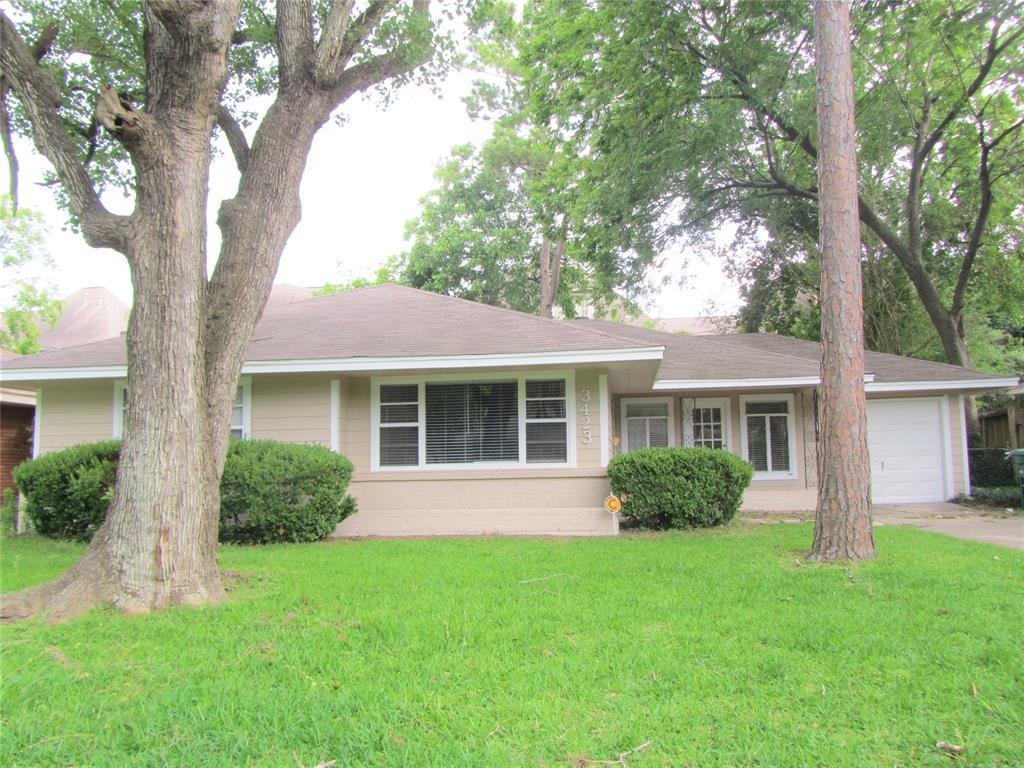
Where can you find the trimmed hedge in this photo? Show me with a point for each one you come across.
(990, 467)
(270, 491)
(664, 488)
(274, 491)
(67, 492)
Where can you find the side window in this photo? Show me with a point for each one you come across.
(647, 423)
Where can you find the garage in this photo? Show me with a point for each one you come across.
(907, 439)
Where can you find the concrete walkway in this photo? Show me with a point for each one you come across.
(989, 526)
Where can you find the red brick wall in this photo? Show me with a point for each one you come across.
(15, 439)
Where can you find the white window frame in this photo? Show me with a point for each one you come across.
(623, 419)
(690, 404)
(790, 415)
(119, 406)
(520, 377)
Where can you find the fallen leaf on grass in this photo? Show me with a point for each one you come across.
(59, 656)
(945, 746)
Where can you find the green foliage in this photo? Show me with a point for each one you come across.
(1005, 496)
(28, 306)
(663, 488)
(698, 117)
(273, 492)
(724, 647)
(8, 511)
(67, 492)
(270, 491)
(990, 467)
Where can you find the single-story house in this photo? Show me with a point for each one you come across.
(463, 418)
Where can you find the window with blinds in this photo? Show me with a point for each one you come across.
(399, 425)
(768, 431)
(473, 422)
(646, 423)
(470, 422)
(546, 422)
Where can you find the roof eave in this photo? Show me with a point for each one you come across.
(952, 385)
(367, 364)
(744, 384)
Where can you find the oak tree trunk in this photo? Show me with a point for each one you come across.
(842, 528)
(188, 334)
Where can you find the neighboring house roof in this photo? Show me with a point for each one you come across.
(392, 327)
(386, 323)
(696, 326)
(745, 360)
(286, 293)
(88, 314)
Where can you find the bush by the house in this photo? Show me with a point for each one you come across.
(665, 488)
(997, 496)
(282, 492)
(990, 467)
(269, 492)
(67, 492)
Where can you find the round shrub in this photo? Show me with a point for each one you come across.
(274, 491)
(67, 492)
(665, 488)
(269, 491)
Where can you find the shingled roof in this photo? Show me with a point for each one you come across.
(739, 356)
(392, 326)
(385, 321)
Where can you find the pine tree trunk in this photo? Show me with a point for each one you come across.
(842, 528)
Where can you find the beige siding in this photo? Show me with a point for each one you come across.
(355, 422)
(490, 503)
(293, 408)
(75, 412)
(588, 406)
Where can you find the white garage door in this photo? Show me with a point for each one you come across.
(908, 455)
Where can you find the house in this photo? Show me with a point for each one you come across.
(88, 314)
(464, 418)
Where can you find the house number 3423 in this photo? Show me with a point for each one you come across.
(586, 422)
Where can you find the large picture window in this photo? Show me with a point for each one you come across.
(466, 422)
(768, 435)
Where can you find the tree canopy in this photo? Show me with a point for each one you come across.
(28, 303)
(694, 115)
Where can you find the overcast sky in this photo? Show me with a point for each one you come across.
(363, 182)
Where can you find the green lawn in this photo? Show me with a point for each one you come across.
(720, 649)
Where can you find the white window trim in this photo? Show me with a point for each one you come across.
(623, 425)
(245, 382)
(690, 404)
(117, 429)
(792, 474)
(519, 377)
(336, 415)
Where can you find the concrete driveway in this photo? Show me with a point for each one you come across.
(989, 526)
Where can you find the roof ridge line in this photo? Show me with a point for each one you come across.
(559, 323)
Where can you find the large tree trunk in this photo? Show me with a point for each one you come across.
(187, 335)
(550, 275)
(842, 528)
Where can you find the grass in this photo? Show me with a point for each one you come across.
(722, 649)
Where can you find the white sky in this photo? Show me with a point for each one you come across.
(363, 182)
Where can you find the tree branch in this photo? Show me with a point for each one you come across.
(41, 47)
(40, 97)
(294, 40)
(236, 138)
(340, 39)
